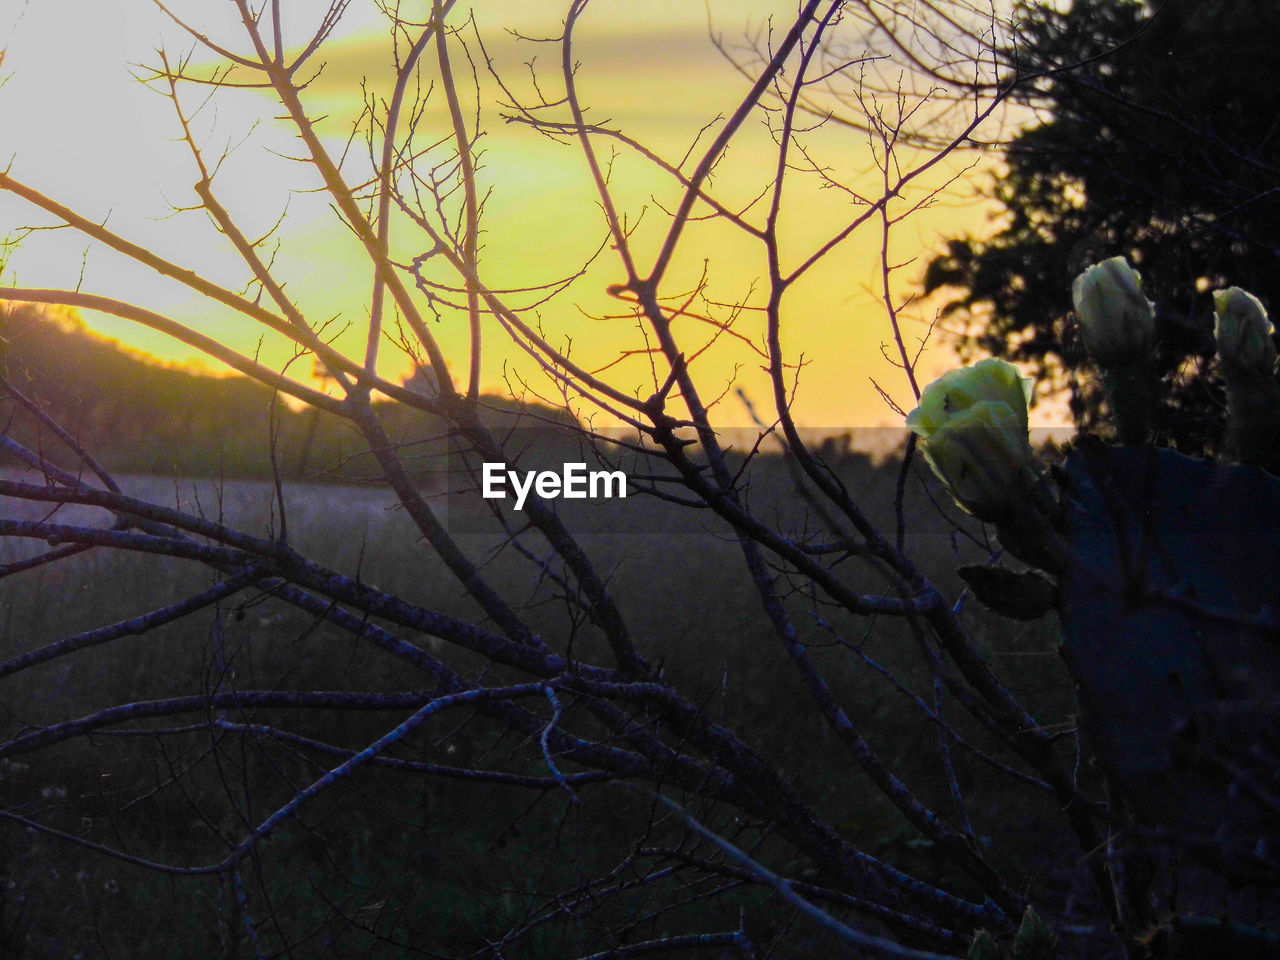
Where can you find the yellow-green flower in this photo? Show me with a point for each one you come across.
(958, 390)
(980, 456)
(1116, 318)
(1243, 331)
(973, 425)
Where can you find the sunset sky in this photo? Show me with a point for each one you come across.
(81, 129)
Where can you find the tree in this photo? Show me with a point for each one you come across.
(1154, 138)
(464, 730)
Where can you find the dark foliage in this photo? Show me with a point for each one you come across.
(1158, 142)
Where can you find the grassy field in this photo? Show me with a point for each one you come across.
(393, 858)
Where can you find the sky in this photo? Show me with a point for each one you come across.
(81, 128)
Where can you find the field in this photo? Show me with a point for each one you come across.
(402, 860)
(420, 855)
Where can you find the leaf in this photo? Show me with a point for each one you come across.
(1019, 595)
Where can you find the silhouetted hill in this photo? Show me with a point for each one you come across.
(139, 415)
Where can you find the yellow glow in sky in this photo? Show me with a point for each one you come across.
(81, 129)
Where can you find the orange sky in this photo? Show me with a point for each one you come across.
(80, 129)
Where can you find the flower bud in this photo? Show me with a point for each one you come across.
(1248, 357)
(1116, 318)
(973, 422)
(958, 390)
(1243, 332)
(981, 455)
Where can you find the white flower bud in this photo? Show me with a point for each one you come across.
(980, 455)
(973, 422)
(958, 390)
(1116, 318)
(1243, 332)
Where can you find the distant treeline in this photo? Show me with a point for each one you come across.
(139, 415)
